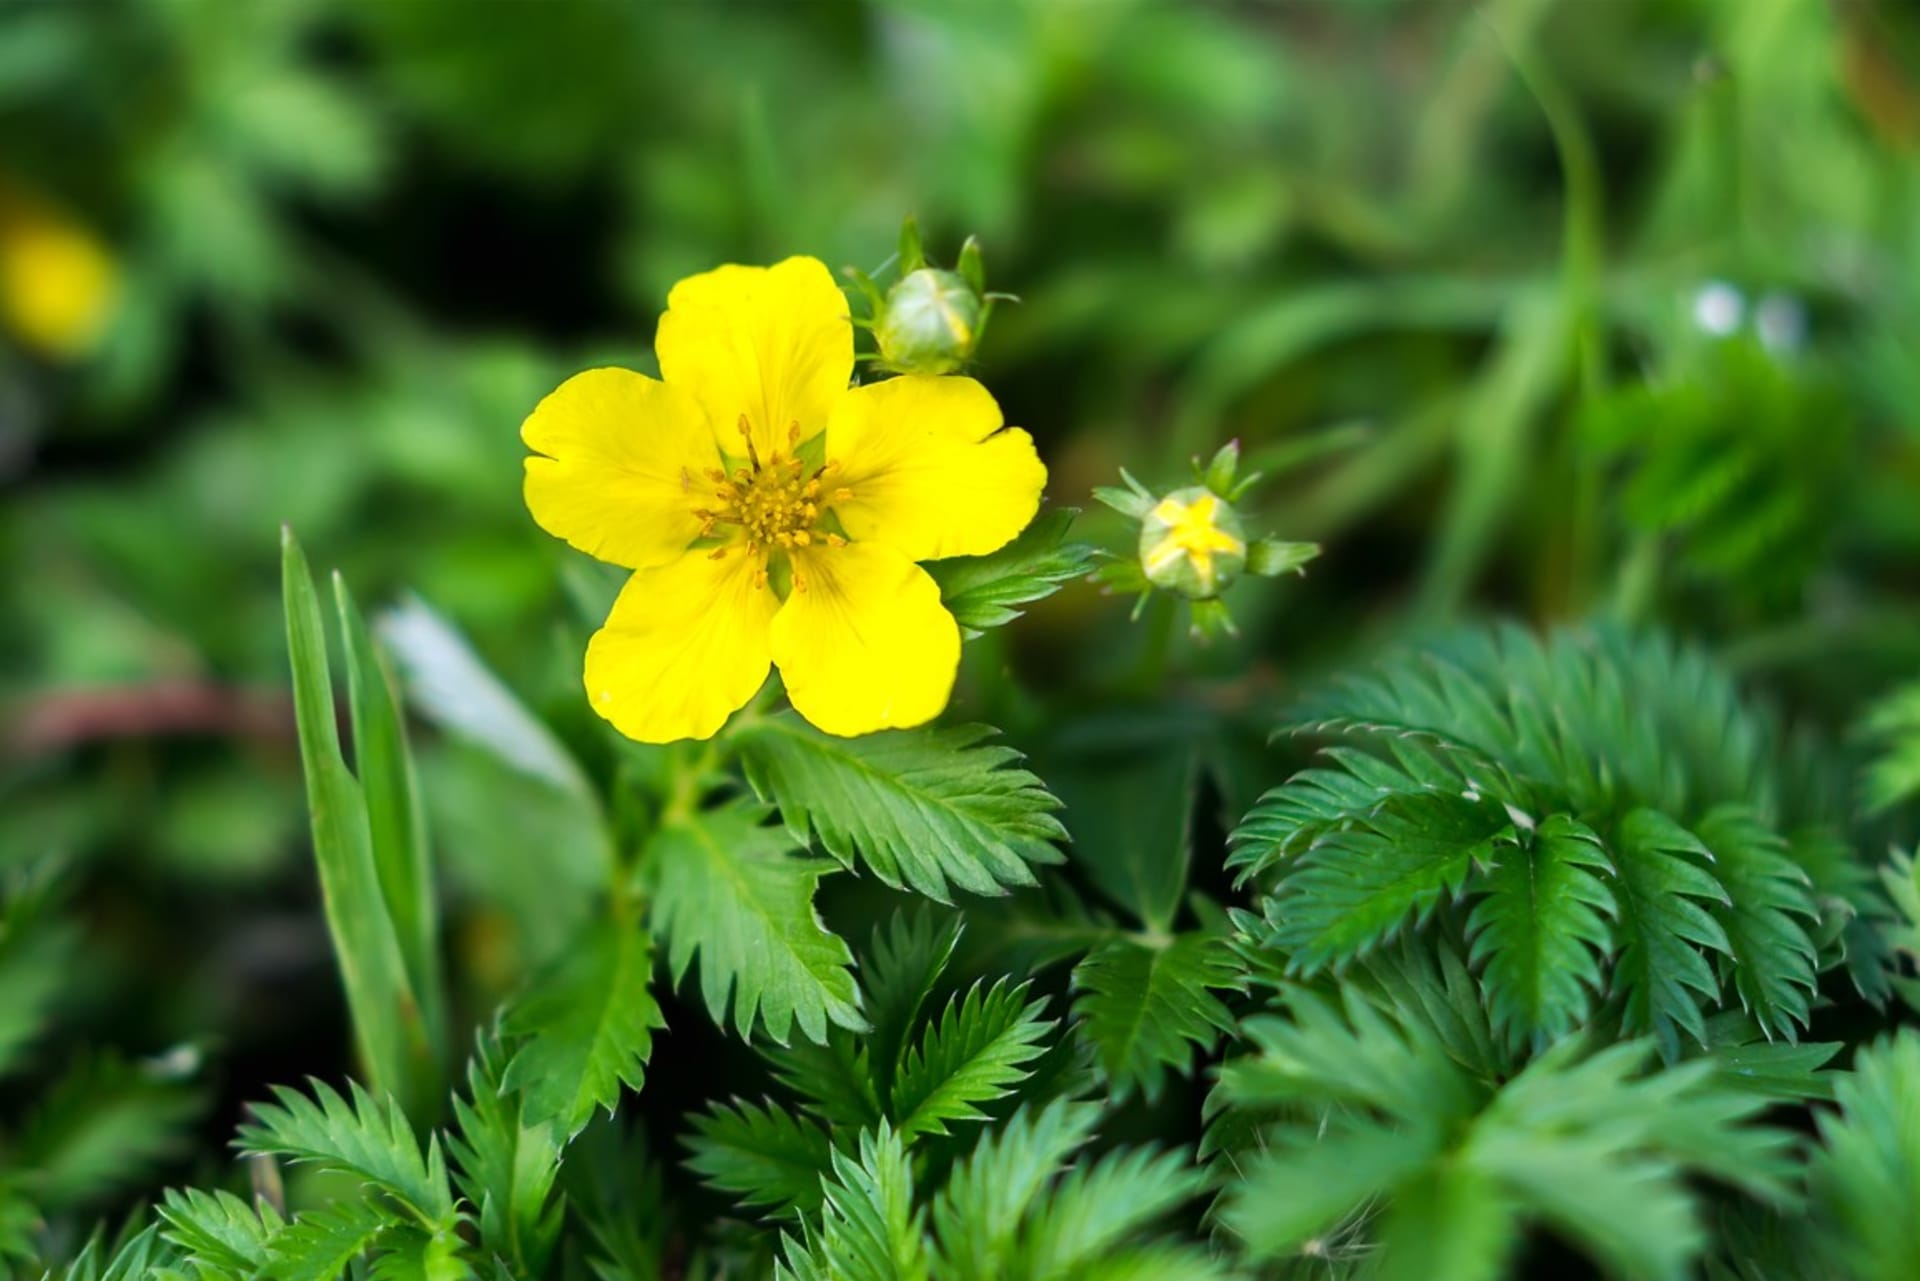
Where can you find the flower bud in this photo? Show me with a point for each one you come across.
(930, 323)
(1192, 542)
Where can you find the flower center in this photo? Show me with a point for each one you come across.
(775, 502)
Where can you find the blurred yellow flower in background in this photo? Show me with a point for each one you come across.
(58, 282)
(773, 514)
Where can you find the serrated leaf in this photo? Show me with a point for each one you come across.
(734, 891)
(584, 1028)
(1448, 1223)
(103, 1126)
(1357, 888)
(978, 1214)
(1148, 1006)
(1303, 1183)
(869, 1229)
(837, 1080)
(319, 1244)
(505, 1163)
(904, 959)
(367, 1138)
(1099, 1206)
(982, 592)
(1768, 899)
(973, 1054)
(1131, 817)
(1865, 1175)
(35, 948)
(1539, 929)
(218, 1230)
(1662, 929)
(762, 1155)
(930, 808)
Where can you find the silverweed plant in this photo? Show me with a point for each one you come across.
(1350, 712)
(1524, 963)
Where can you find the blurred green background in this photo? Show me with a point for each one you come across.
(1546, 309)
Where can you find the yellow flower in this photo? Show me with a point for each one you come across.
(771, 513)
(57, 282)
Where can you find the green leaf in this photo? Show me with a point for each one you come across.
(1303, 1184)
(1355, 889)
(1271, 557)
(1131, 816)
(1148, 1005)
(1893, 777)
(733, 890)
(19, 1220)
(36, 950)
(1097, 1208)
(929, 808)
(763, 1156)
(584, 1028)
(505, 1164)
(1662, 928)
(218, 1230)
(978, 1214)
(388, 1028)
(105, 1126)
(984, 592)
(869, 1229)
(366, 1138)
(974, 1053)
(1767, 900)
(1539, 929)
(904, 960)
(1448, 1223)
(1314, 802)
(1865, 1175)
(837, 1080)
(319, 1244)
(396, 823)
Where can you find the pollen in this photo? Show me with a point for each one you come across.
(775, 501)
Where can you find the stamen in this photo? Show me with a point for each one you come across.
(716, 475)
(718, 553)
(793, 432)
(746, 431)
(842, 494)
(834, 540)
(801, 538)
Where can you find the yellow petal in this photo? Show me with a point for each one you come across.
(685, 646)
(772, 343)
(931, 472)
(619, 465)
(867, 645)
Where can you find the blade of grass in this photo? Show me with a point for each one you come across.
(388, 1029)
(402, 858)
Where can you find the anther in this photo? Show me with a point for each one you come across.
(801, 538)
(718, 553)
(842, 494)
(716, 475)
(793, 432)
(834, 540)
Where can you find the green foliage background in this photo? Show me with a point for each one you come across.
(1580, 333)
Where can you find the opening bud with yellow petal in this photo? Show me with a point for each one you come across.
(1194, 543)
